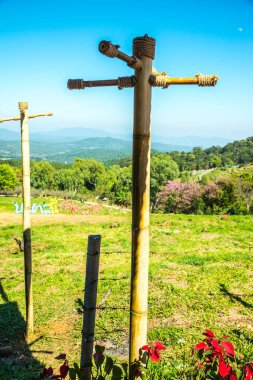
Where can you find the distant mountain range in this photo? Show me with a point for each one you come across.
(75, 134)
(64, 145)
(100, 148)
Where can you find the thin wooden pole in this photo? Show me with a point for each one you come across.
(90, 302)
(140, 199)
(25, 148)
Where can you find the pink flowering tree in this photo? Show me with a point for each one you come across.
(178, 197)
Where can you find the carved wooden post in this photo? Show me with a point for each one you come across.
(25, 151)
(144, 78)
(144, 49)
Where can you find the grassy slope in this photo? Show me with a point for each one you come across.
(244, 172)
(200, 277)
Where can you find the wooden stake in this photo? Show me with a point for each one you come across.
(25, 149)
(23, 106)
(90, 302)
(140, 207)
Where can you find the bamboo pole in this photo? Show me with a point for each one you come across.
(25, 149)
(23, 106)
(162, 80)
(140, 206)
(90, 302)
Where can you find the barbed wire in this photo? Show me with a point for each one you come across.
(121, 252)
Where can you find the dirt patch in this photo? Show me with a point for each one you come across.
(236, 319)
(210, 236)
(114, 349)
(10, 218)
(178, 284)
(176, 320)
(61, 327)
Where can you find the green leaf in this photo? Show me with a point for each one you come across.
(125, 367)
(108, 365)
(76, 366)
(99, 349)
(72, 374)
(117, 373)
(143, 374)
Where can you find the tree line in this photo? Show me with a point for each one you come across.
(237, 153)
(88, 178)
(173, 188)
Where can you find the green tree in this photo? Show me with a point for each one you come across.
(66, 180)
(121, 189)
(163, 169)
(89, 173)
(43, 176)
(8, 179)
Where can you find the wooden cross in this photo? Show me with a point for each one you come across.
(143, 79)
(25, 151)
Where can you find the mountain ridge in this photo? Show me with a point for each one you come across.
(99, 148)
(80, 133)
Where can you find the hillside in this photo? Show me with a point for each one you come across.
(106, 149)
(243, 173)
(239, 152)
(99, 148)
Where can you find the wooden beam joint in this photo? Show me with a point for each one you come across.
(112, 51)
(164, 81)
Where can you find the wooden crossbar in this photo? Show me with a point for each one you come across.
(29, 117)
(162, 80)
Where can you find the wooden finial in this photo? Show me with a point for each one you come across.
(23, 106)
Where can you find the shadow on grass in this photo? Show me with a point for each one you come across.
(239, 334)
(16, 359)
(235, 297)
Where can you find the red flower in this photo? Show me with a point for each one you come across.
(209, 334)
(233, 377)
(228, 347)
(224, 369)
(201, 346)
(248, 372)
(154, 351)
(64, 369)
(46, 372)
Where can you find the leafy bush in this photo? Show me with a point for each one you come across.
(211, 358)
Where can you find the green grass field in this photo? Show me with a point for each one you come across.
(201, 276)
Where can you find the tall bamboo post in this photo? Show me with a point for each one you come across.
(25, 152)
(143, 48)
(144, 78)
(90, 303)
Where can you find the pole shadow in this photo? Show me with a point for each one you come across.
(235, 297)
(16, 359)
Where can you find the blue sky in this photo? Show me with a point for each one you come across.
(44, 43)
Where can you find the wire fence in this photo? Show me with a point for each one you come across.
(108, 325)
